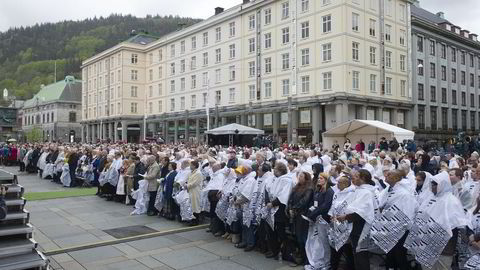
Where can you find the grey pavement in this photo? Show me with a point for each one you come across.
(63, 223)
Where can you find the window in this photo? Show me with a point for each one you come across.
(402, 37)
(251, 22)
(432, 47)
(454, 55)
(268, 16)
(462, 77)
(182, 46)
(193, 100)
(388, 59)
(172, 69)
(419, 44)
(172, 51)
(388, 7)
(150, 91)
(134, 75)
(150, 107)
(433, 94)
(193, 63)
(218, 75)
(327, 23)
(355, 80)
(194, 43)
(444, 95)
(182, 84)
(182, 103)
(388, 85)
(205, 79)
(403, 88)
(373, 24)
(205, 39)
(454, 75)
(421, 95)
(326, 2)
(72, 117)
(172, 86)
(268, 90)
(232, 51)
(160, 72)
(433, 118)
(305, 29)
(443, 50)
(305, 5)
(231, 95)
(471, 61)
(268, 40)
(454, 97)
(305, 57)
(251, 68)
(444, 118)
(193, 81)
(285, 35)
(232, 29)
(373, 55)
(182, 66)
(232, 73)
(285, 61)
(420, 67)
(252, 93)
(205, 59)
(355, 46)
(218, 55)
(285, 87)
(403, 12)
(472, 100)
(472, 120)
(251, 45)
(327, 81)
(373, 83)
(134, 91)
(305, 84)
(205, 100)
(388, 33)
(444, 73)
(472, 80)
(464, 99)
(218, 34)
(327, 52)
(268, 65)
(355, 19)
(402, 62)
(285, 10)
(134, 58)
(172, 104)
(133, 107)
(433, 70)
(462, 58)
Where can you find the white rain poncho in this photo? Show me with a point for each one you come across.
(326, 160)
(434, 223)
(141, 196)
(48, 171)
(112, 176)
(364, 202)
(399, 207)
(339, 232)
(120, 186)
(159, 199)
(223, 202)
(425, 193)
(250, 190)
(59, 161)
(262, 212)
(279, 188)
(65, 177)
(42, 161)
(317, 247)
(183, 201)
(473, 261)
(234, 213)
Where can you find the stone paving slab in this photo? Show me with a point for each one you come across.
(187, 257)
(151, 243)
(95, 254)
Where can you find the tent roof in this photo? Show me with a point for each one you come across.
(366, 127)
(231, 128)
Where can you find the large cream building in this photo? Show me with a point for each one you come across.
(291, 67)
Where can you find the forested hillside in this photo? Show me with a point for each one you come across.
(28, 54)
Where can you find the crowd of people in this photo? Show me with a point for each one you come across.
(322, 208)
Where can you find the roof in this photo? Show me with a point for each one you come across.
(69, 89)
(366, 127)
(427, 15)
(233, 129)
(142, 39)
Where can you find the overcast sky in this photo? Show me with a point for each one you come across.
(463, 13)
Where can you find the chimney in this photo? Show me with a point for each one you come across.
(473, 37)
(416, 3)
(218, 10)
(441, 14)
(246, 1)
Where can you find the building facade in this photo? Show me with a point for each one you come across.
(446, 83)
(293, 68)
(55, 112)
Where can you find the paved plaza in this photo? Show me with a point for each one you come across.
(69, 222)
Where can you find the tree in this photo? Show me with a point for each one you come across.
(34, 135)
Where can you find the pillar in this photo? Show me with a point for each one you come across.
(428, 117)
(175, 139)
(321, 118)
(215, 122)
(394, 116)
(115, 132)
(275, 122)
(197, 129)
(165, 131)
(316, 124)
(151, 129)
(87, 138)
(338, 114)
(363, 112)
(408, 119)
(379, 113)
(237, 119)
(187, 130)
(83, 133)
(224, 121)
(345, 115)
(259, 120)
(110, 131)
(243, 119)
(415, 116)
(294, 122)
(449, 117)
(124, 131)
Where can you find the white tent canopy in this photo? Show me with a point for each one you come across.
(366, 130)
(232, 129)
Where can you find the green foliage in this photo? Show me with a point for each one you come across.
(34, 135)
(28, 54)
